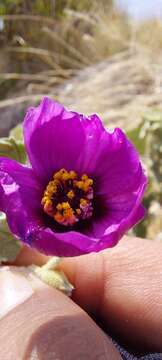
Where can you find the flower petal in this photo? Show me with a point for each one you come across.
(20, 194)
(93, 142)
(17, 177)
(115, 233)
(26, 222)
(70, 243)
(20, 199)
(54, 138)
(118, 168)
(121, 213)
(124, 213)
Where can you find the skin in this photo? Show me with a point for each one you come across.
(119, 288)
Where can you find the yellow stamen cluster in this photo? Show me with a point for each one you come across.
(84, 183)
(67, 198)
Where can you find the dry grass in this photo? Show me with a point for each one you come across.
(94, 61)
(72, 43)
(119, 89)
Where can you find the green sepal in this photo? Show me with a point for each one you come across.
(13, 149)
(9, 245)
(17, 133)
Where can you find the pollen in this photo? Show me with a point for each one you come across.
(83, 202)
(70, 194)
(68, 198)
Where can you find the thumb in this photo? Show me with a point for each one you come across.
(38, 322)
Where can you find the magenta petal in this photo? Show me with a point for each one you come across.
(122, 212)
(16, 177)
(70, 243)
(114, 234)
(74, 243)
(20, 199)
(20, 195)
(94, 133)
(118, 168)
(126, 215)
(54, 138)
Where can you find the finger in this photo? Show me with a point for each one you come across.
(28, 256)
(42, 323)
(123, 287)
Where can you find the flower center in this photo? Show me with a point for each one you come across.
(68, 198)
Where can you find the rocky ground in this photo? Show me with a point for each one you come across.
(119, 89)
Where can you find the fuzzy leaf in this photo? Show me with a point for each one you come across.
(13, 149)
(134, 136)
(154, 115)
(17, 133)
(9, 246)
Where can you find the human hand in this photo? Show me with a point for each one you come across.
(41, 323)
(120, 287)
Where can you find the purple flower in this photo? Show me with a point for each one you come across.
(83, 190)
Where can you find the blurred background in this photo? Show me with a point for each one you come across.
(100, 56)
